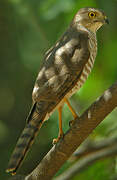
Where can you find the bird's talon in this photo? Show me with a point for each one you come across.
(72, 122)
(55, 141)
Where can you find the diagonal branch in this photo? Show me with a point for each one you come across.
(93, 146)
(80, 130)
(86, 161)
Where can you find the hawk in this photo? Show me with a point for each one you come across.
(65, 68)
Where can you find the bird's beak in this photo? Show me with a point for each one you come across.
(103, 20)
(106, 20)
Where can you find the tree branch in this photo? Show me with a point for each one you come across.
(81, 128)
(86, 161)
(93, 146)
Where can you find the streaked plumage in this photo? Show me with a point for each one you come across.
(65, 69)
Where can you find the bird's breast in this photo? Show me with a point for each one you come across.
(85, 72)
(92, 45)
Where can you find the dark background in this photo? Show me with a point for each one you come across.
(27, 29)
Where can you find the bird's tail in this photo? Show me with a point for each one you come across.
(25, 140)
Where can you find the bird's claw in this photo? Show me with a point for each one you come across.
(72, 122)
(55, 141)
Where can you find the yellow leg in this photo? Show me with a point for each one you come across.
(60, 122)
(71, 109)
(60, 135)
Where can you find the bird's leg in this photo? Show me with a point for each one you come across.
(60, 135)
(72, 111)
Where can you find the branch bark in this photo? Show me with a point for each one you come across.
(86, 161)
(92, 147)
(80, 130)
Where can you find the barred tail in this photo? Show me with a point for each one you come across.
(25, 141)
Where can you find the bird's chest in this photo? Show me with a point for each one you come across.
(92, 43)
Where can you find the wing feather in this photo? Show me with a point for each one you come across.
(62, 66)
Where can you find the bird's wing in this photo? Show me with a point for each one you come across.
(62, 66)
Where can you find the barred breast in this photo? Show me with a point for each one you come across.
(92, 43)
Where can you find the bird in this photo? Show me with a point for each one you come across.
(65, 69)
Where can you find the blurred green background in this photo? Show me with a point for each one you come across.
(27, 29)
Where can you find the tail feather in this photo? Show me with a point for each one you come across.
(24, 142)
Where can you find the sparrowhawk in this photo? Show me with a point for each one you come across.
(65, 68)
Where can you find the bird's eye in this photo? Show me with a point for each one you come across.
(91, 14)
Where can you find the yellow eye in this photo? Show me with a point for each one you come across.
(91, 14)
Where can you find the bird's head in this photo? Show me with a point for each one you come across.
(90, 18)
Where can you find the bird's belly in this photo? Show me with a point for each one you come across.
(84, 75)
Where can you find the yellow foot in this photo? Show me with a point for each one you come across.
(13, 173)
(72, 121)
(55, 141)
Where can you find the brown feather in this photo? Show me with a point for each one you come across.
(25, 140)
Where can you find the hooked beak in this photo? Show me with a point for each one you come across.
(106, 20)
(103, 21)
